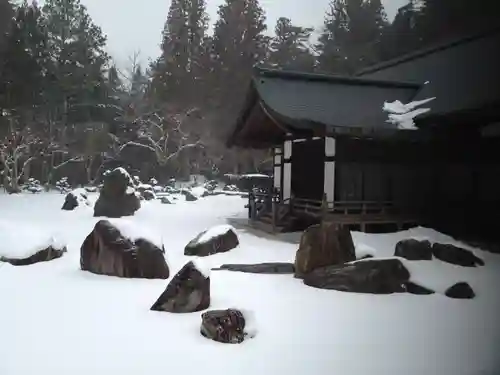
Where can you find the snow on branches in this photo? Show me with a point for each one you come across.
(165, 134)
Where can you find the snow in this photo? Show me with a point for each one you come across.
(255, 175)
(102, 325)
(145, 187)
(216, 231)
(18, 242)
(198, 191)
(129, 190)
(201, 265)
(134, 231)
(403, 114)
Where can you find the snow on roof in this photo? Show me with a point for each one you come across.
(403, 114)
(255, 175)
(20, 242)
(216, 231)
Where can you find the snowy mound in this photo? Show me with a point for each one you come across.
(134, 231)
(216, 231)
(198, 191)
(21, 242)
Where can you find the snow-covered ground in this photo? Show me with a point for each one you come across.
(56, 319)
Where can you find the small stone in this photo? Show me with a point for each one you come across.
(461, 290)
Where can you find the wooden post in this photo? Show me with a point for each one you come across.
(324, 207)
(274, 213)
(251, 205)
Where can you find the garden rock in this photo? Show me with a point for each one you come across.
(219, 239)
(106, 251)
(413, 249)
(323, 245)
(384, 276)
(117, 197)
(226, 326)
(188, 291)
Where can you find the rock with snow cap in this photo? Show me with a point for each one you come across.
(75, 199)
(218, 239)
(117, 197)
(225, 326)
(106, 251)
(188, 291)
(44, 255)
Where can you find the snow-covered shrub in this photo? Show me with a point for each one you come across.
(62, 185)
(33, 186)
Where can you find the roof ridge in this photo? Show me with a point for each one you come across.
(328, 78)
(428, 50)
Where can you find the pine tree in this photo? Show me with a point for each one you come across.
(444, 20)
(289, 48)
(238, 44)
(23, 67)
(401, 36)
(6, 13)
(352, 36)
(76, 46)
(178, 72)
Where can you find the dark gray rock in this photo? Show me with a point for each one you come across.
(461, 290)
(412, 249)
(413, 288)
(106, 251)
(383, 276)
(323, 245)
(266, 268)
(226, 326)
(456, 255)
(217, 244)
(117, 197)
(188, 291)
(45, 255)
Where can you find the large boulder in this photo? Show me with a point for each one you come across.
(218, 239)
(226, 326)
(456, 255)
(266, 268)
(106, 251)
(413, 249)
(188, 291)
(49, 253)
(75, 199)
(323, 245)
(117, 197)
(382, 276)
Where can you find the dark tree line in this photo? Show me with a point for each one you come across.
(64, 103)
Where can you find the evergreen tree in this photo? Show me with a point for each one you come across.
(289, 48)
(238, 44)
(178, 72)
(24, 63)
(352, 35)
(443, 20)
(401, 36)
(76, 46)
(6, 13)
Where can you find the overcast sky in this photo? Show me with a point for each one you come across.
(132, 25)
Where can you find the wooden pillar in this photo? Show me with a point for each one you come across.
(329, 179)
(278, 165)
(287, 169)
